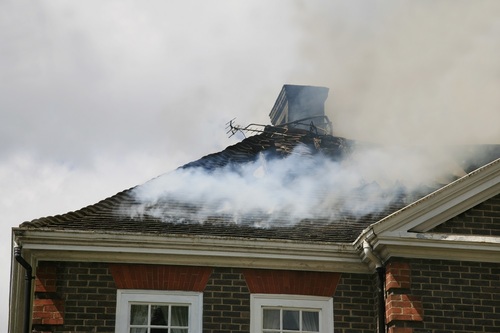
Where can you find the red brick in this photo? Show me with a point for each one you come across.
(45, 280)
(267, 281)
(160, 277)
(53, 321)
(42, 315)
(403, 308)
(50, 308)
(52, 312)
(397, 276)
(400, 330)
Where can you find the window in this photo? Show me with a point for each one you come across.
(290, 314)
(158, 311)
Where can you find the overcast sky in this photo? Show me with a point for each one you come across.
(99, 96)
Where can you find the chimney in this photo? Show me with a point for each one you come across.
(301, 107)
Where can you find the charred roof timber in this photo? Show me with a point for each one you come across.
(301, 107)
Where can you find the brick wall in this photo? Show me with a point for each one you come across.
(227, 303)
(89, 296)
(458, 296)
(443, 296)
(483, 219)
(86, 293)
(403, 308)
(48, 307)
(354, 305)
(226, 299)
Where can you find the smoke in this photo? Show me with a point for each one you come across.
(414, 81)
(307, 184)
(411, 71)
(144, 86)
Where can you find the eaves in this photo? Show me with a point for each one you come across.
(60, 245)
(439, 246)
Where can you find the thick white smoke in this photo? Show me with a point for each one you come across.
(421, 72)
(278, 192)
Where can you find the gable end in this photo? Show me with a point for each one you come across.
(483, 219)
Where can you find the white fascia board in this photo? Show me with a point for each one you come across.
(445, 203)
(196, 250)
(439, 246)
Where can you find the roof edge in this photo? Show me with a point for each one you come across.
(455, 198)
(189, 250)
(407, 225)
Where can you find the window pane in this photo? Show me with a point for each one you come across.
(271, 318)
(159, 315)
(310, 321)
(138, 314)
(180, 316)
(291, 320)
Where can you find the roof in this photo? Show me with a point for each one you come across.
(170, 215)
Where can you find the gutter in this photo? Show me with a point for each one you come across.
(380, 269)
(27, 291)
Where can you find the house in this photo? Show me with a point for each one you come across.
(194, 260)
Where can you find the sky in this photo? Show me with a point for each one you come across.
(100, 96)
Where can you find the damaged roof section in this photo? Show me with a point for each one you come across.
(276, 142)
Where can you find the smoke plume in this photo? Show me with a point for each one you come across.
(304, 185)
(415, 72)
(416, 80)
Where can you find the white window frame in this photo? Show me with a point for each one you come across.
(323, 304)
(126, 296)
